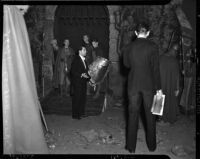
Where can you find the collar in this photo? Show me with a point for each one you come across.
(142, 37)
(82, 58)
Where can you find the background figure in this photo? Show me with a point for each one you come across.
(55, 52)
(126, 28)
(188, 97)
(142, 58)
(96, 52)
(79, 76)
(63, 66)
(170, 77)
(89, 56)
(88, 46)
(22, 127)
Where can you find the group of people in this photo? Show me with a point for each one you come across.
(70, 71)
(149, 74)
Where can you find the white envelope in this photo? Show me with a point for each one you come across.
(158, 104)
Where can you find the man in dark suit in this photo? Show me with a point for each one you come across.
(79, 75)
(142, 58)
(89, 57)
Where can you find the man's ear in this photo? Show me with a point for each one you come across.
(136, 33)
(148, 33)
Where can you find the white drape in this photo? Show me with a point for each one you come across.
(22, 127)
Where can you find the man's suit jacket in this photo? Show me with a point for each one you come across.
(77, 68)
(142, 57)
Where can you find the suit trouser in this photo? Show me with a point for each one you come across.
(79, 99)
(135, 102)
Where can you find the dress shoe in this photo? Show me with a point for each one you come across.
(129, 150)
(152, 150)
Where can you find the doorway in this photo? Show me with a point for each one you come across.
(73, 21)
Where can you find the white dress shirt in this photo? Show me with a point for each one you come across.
(83, 59)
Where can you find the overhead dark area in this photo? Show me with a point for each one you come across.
(189, 8)
(73, 21)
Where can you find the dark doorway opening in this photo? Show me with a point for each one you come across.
(73, 21)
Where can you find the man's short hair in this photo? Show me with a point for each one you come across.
(142, 27)
(86, 35)
(95, 40)
(65, 39)
(80, 48)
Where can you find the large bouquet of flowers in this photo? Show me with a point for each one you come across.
(98, 70)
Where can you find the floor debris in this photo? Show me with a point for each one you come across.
(181, 151)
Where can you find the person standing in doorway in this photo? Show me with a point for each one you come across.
(63, 66)
(55, 49)
(79, 76)
(89, 57)
(88, 46)
(142, 57)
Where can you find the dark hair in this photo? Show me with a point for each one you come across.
(86, 35)
(65, 40)
(95, 40)
(80, 47)
(142, 26)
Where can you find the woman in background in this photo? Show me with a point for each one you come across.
(62, 68)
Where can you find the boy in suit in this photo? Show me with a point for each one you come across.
(79, 76)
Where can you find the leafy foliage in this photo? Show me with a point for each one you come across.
(164, 25)
(35, 26)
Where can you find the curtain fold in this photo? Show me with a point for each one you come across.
(22, 127)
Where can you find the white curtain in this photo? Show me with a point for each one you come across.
(22, 125)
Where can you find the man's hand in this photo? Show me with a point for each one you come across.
(84, 75)
(92, 84)
(159, 94)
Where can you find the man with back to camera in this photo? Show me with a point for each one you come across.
(79, 76)
(142, 57)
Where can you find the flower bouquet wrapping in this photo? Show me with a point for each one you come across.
(98, 70)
